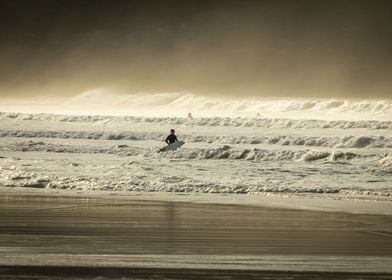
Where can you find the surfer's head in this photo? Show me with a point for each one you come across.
(172, 131)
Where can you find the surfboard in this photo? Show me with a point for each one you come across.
(172, 147)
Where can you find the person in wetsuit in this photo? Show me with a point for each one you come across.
(171, 138)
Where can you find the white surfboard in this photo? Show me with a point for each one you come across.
(173, 146)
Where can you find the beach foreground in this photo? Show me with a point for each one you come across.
(55, 236)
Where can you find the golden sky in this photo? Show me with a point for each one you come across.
(299, 48)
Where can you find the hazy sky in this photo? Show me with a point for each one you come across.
(267, 48)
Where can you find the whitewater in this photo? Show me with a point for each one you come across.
(99, 140)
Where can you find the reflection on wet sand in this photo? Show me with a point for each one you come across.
(51, 233)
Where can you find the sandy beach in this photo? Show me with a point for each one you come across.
(79, 236)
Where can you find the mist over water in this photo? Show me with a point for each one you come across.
(180, 104)
(313, 49)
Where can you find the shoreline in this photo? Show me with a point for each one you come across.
(270, 200)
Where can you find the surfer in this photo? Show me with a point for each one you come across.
(172, 137)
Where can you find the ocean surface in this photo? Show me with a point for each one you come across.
(99, 141)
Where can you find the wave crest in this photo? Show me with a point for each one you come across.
(205, 121)
(313, 141)
(102, 101)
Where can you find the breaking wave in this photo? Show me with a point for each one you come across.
(289, 140)
(224, 152)
(163, 184)
(101, 101)
(254, 145)
(204, 121)
(281, 180)
(225, 104)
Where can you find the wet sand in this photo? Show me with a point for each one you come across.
(47, 236)
(178, 274)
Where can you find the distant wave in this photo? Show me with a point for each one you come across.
(100, 101)
(206, 121)
(172, 102)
